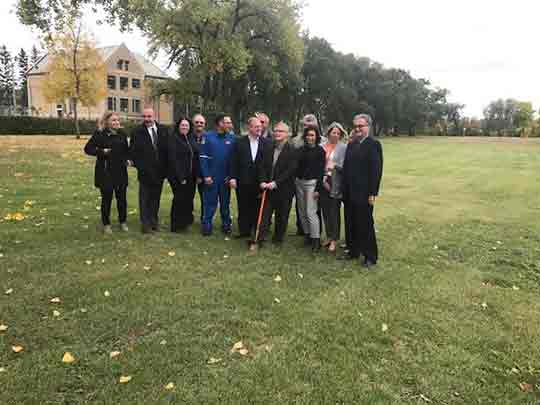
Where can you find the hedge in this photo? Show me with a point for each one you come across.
(49, 126)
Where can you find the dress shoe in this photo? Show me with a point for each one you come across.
(107, 230)
(368, 264)
(124, 227)
(307, 241)
(146, 229)
(226, 230)
(315, 244)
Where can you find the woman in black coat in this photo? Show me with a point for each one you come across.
(109, 143)
(182, 172)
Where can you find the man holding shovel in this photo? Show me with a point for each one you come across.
(276, 172)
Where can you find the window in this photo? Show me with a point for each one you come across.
(111, 82)
(120, 64)
(124, 83)
(126, 65)
(111, 103)
(124, 105)
(136, 106)
(136, 83)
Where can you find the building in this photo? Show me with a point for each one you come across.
(128, 77)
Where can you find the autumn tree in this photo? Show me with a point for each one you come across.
(76, 71)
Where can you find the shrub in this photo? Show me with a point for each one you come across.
(50, 126)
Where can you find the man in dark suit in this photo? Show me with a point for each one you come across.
(147, 151)
(277, 170)
(247, 152)
(362, 173)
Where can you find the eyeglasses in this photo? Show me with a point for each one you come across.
(199, 122)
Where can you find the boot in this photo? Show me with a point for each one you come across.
(307, 241)
(315, 244)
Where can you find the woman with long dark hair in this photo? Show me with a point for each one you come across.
(109, 144)
(311, 163)
(182, 172)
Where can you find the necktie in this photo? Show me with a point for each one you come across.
(154, 138)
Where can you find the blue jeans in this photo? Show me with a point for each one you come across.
(218, 191)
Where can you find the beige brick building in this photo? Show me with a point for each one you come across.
(128, 77)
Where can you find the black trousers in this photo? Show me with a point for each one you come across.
(182, 205)
(280, 206)
(331, 212)
(248, 197)
(149, 200)
(363, 239)
(348, 223)
(106, 202)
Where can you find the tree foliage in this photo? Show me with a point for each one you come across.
(76, 70)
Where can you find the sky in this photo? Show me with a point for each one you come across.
(480, 50)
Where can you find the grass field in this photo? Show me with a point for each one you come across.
(451, 316)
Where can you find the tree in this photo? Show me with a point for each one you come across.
(22, 62)
(34, 56)
(76, 72)
(7, 78)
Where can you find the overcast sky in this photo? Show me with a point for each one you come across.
(480, 50)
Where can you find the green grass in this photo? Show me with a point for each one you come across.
(458, 226)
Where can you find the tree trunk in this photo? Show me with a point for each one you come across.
(76, 118)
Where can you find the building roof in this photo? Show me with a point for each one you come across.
(149, 68)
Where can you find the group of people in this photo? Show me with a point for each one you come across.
(267, 168)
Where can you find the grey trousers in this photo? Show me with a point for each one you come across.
(149, 199)
(331, 212)
(307, 207)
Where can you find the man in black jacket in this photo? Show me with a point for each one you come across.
(362, 173)
(146, 152)
(277, 170)
(247, 152)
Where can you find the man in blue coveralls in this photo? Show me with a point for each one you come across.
(215, 157)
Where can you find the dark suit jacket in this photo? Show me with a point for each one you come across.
(243, 168)
(111, 169)
(362, 170)
(283, 173)
(151, 165)
(182, 157)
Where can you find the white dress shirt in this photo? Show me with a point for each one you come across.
(254, 146)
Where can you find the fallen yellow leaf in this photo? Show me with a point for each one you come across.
(277, 300)
(3, 328)
(169, 386)
(9, 291)
(17, 349)
(237, 346)
(124, 379)
(243, 352)
(172, 254)
(68, 358)
(114, 354)
(107, 294)
(277, 279)
(384, 327)
(56, 313)
(56, 300)
(213, 360)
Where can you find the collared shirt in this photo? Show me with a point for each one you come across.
(277, 151)
(152, 133)
(254, 146)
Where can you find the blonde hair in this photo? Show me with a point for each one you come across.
(251, 120)
(103, 121)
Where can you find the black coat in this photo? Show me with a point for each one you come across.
(182, 158)
(362, 170)
(243, 168)
(311, 164)
(151, 164)
(283, 173)
(111, 168)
